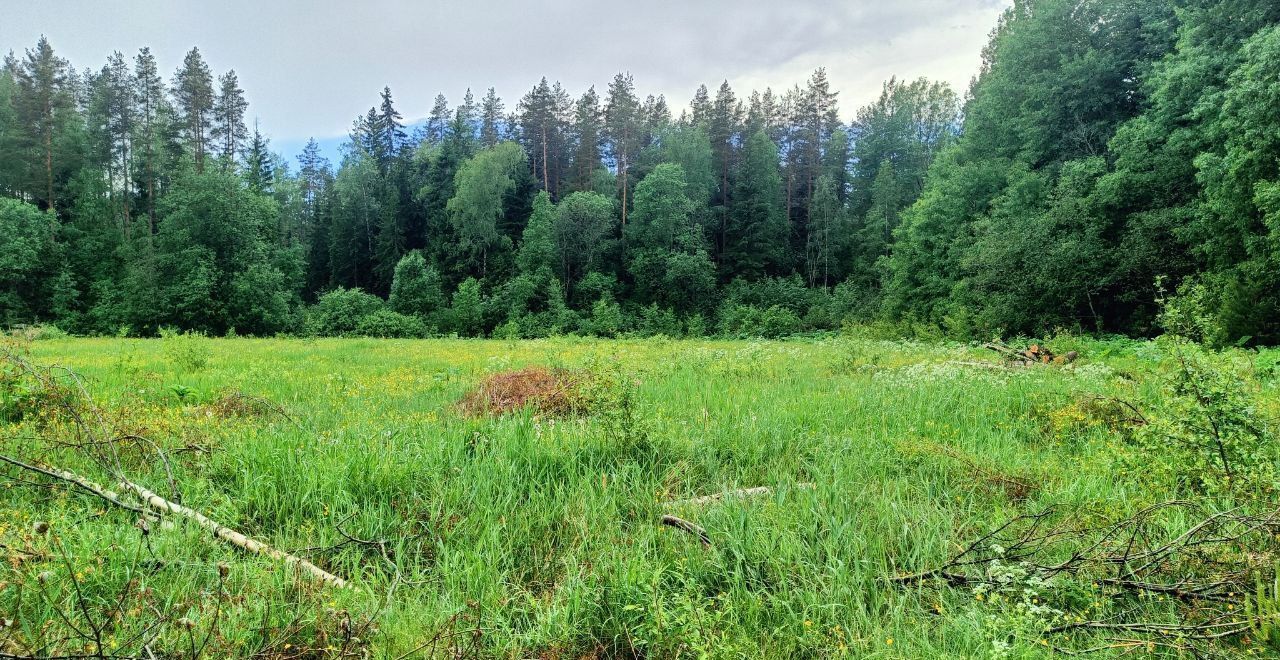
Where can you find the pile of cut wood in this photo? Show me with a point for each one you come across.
(1033, 354)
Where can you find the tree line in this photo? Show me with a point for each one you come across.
(1110, 153)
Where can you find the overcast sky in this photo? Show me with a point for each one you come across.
(308, 68)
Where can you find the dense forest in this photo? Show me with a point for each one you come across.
(1110, 154)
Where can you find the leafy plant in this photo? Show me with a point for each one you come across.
(1263, 611)
(186, 351)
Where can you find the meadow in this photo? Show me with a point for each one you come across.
(530, 534)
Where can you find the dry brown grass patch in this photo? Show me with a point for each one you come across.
(551, 392)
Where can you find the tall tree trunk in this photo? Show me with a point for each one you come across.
(545, 183)
(48, 153)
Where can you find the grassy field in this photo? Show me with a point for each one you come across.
(528, 535)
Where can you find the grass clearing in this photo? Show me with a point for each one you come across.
(536, 535)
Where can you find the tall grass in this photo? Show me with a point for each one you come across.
(526, 536)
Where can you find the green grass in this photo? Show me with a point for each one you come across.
(521, 536)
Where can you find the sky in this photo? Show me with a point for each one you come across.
(309, 68)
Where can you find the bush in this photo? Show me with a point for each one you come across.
(606, 318)
(39, 332)
(1207, 433)
(467, 313)
(338, 313)
(186, 351)
(745, 321)
(786, 292)
(415, 287)
(655, 320)
(387, 324)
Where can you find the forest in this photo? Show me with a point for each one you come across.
(1109, 153)
(983, 373)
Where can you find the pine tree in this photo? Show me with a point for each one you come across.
(700, 107)
(722, 128)
(756, 240)
(438, 122)
(258, 167)
(315, 183)
(193, 94)
(623, 131)
(389, 129)
(149, 96)
(228, 132)
(44, 101)
(110, 116)
(542, 128)
(490, 119)
(587, 139)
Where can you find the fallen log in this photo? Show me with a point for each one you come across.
(739, 493)
(79, 482)
(232, 536)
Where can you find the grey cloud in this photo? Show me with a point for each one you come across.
(310, 67)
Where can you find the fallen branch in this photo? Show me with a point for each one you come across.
(1010, 354)
(739, 493)
(80, 482)
(231, 536)
(686, 526)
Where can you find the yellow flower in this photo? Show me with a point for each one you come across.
(889, 641)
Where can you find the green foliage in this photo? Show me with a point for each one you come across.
(338, 313)
(745, 321)
(482, 187)
(1262, 607)
(26, 248)
(606, 318)
(755, 242)
(388, 324)
(416, 288)
(580, 235)
(467, 312)
(1102, 144)
(188, 352)
(1207, 432)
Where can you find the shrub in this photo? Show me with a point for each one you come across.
(387, 324)
(1206, 433)
(415, 287)
(695, 326)
(468, 309)
(606, 318)
(749, 321)
(40, 332)
(186, 351)
(509, 330)
(338, 313)
(655, 320)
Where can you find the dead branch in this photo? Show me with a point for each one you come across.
(232, 536)
(1208, 567)
(79, 482)
(686, 526)
(733, 494)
